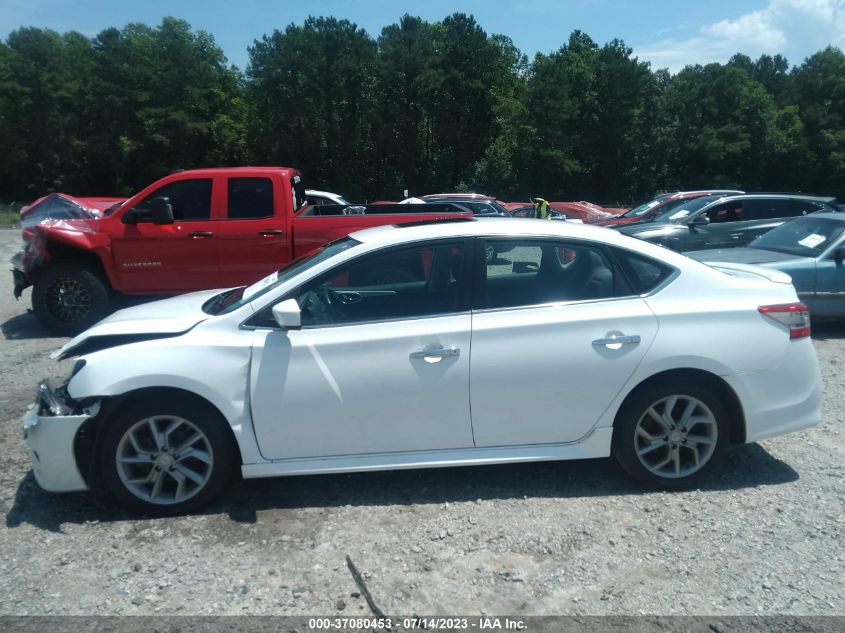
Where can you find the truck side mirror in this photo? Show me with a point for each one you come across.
(288, 315)
(161, 211)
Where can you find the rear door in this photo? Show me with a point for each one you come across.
(176, 257)
(557, 332)
(252, 233)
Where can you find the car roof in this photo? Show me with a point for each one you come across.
(491, 226)
(781, 196)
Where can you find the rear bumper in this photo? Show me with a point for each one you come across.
(784, 399)
(50, 434)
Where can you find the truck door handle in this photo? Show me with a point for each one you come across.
(201, 234)
(736, 236)
(271, 232)
(615, 340)
(436, 353)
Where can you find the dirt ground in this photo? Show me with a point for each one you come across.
(764, 537)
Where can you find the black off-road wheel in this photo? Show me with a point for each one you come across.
(70, 298)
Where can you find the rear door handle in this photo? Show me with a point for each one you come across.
(615, 341)
(436, 353)
(271, 232)
(200, 234)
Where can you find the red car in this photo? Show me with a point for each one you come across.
(661, 204)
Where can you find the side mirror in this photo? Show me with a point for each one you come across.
(288, 315)
(161, 212)
(699, 220)
(839, 254)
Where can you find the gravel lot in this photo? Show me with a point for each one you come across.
(560, 538)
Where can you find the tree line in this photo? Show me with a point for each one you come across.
(425, 106)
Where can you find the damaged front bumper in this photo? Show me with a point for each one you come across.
(19, 277)
(50, 428)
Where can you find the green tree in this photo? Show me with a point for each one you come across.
(310, 90)
(820, 85)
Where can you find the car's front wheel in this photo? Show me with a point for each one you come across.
(673, 435)
(69, 298)
(166, 457)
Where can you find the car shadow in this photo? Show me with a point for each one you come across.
(747, 466)
(23, 327)
(828, 330)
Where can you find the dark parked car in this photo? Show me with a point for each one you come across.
(727, 221)
(810, 250)
(663, 203)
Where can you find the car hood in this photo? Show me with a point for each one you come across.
(157, 319)
(743, 255)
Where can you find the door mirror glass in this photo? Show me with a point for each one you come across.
(288, 315)
(700, 220)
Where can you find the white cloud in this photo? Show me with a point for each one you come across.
(793, 28)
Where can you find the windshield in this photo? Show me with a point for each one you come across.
(807, 237)
(681, 209)
(231, 300)
(645, 207)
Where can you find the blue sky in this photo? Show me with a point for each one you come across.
(668, 33)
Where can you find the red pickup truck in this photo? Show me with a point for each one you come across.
(192, 230)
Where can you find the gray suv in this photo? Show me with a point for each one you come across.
(726, 221)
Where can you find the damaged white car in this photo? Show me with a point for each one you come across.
(404, 347)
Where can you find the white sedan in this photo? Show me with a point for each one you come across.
(401, 347)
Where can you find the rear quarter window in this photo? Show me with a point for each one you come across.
(645, 273)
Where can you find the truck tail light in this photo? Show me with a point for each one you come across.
(795, 316)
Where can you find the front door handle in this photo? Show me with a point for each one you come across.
(271, 232)
(615, 340)
(201, 234)
(436, 353)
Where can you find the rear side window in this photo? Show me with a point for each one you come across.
(769, 209)
(644, 273)
(250, 198)
(190, 199)
(529, 273)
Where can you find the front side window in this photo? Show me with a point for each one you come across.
(190, 199)
(421, 281)
(527, 273)
(250, 198)
(728, 212)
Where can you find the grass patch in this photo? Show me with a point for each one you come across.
(10, 215)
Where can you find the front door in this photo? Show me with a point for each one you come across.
(557, 335)
(380, 365)
(178, 257)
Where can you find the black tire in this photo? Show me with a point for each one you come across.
(117, 479)
(627, 441)
(70, 298)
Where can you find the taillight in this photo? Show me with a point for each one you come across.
(795, 316)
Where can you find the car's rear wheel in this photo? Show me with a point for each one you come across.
(166, 457)
(69, 298)
(673, 435)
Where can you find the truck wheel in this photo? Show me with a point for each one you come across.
(69, 298)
